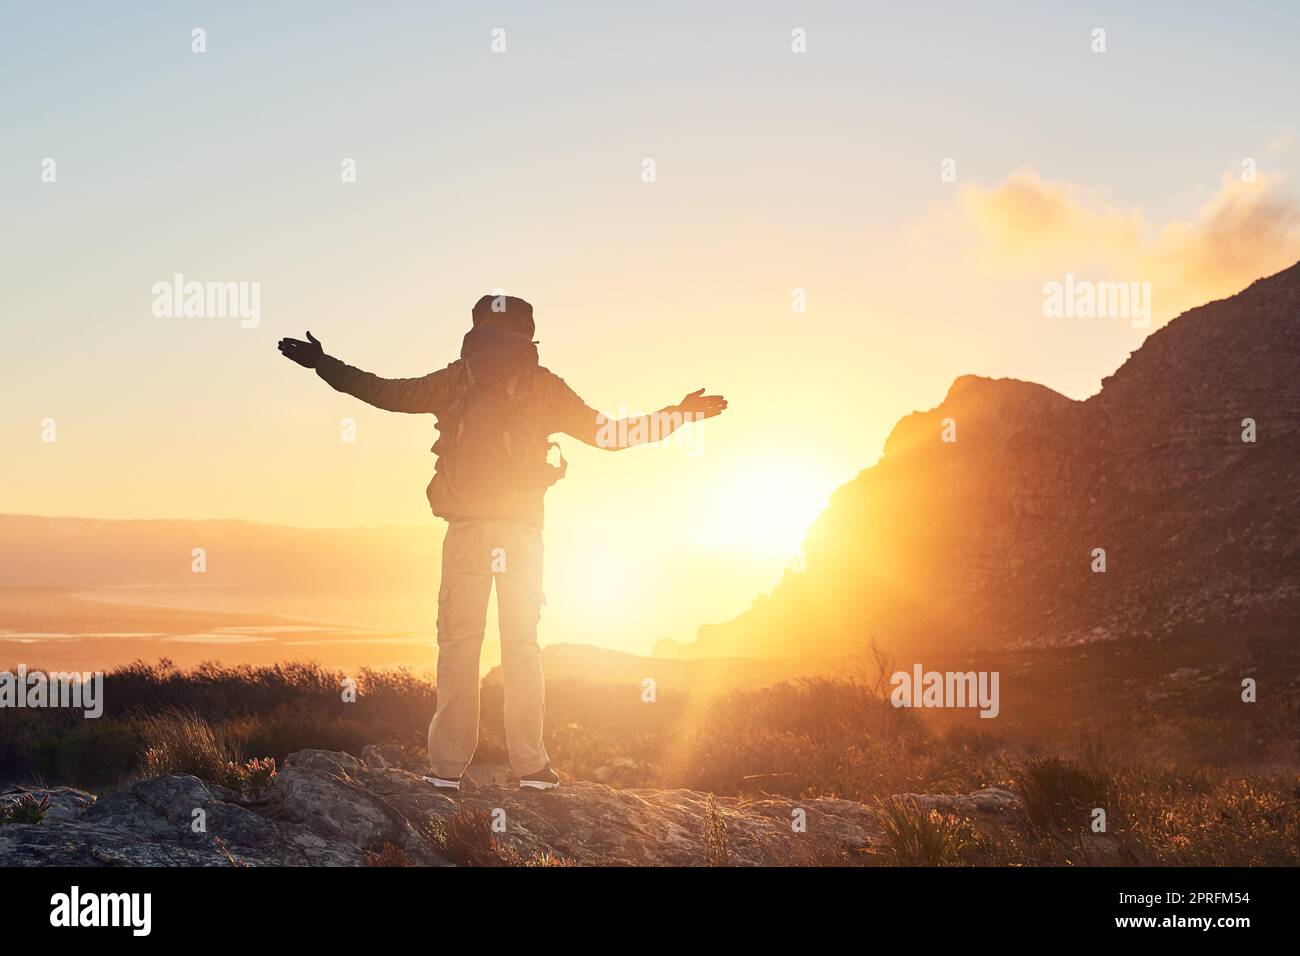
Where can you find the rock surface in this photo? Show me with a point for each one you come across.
(332, 809)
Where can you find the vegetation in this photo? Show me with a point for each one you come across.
(388, 855)
(26, 809)
(1059, 794)
(916, 837)
(822, 737)
(467, 839)
(184, 743)
(717, 848)
(160, 719)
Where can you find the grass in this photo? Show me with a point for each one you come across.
(805, 739)
(467, 839)
(915, 837)
(716, 847)
(1060, 794)
(181, 742)
(263, 712)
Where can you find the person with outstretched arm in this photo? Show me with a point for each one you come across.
(496, 411)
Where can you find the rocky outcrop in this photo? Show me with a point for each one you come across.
(332, 809)
(987, 541)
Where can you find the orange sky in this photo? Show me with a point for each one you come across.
(775, 172)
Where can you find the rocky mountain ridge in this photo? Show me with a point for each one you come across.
(989, 540)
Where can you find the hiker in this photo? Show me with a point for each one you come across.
(496, 409)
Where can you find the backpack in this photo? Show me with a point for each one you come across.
(488, 446)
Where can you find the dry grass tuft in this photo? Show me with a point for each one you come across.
(916, 837)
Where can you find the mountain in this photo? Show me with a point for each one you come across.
(988, 541)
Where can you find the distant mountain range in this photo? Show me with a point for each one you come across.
(989, 540)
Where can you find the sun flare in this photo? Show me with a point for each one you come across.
(766, 508)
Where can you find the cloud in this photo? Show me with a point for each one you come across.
(1248, 230)
(1027, 225)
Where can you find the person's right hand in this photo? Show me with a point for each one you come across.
(700, 406)
(307, 354)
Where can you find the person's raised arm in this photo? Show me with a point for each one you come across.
(571, 415)
(423, 394)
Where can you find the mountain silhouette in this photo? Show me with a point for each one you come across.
(989, 541)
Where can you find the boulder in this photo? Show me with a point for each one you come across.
(332, 809)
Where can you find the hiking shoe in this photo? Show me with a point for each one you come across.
(442, 783)
(544, 779)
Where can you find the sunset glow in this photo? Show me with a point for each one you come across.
(798, 251)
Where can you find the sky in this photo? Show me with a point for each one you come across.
(779, 177)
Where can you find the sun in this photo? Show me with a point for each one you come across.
(602, 577)
(766, 508)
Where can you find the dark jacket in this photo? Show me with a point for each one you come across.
(552, 407)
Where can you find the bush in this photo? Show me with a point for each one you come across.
(18, 747)
(98, 753)
(916, 837)
(286, 730)
(26, 809)
(1059, 794)
(256, 775)
(470, 840)
(390, 855)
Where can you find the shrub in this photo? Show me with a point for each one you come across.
(390, 855)
(26, 809)
(257, 774)
(470, 840)
(916, 837)
(97, 753)
(1059, 794)
(18, 747)
(287, 729)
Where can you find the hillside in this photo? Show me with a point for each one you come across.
(988, 541)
